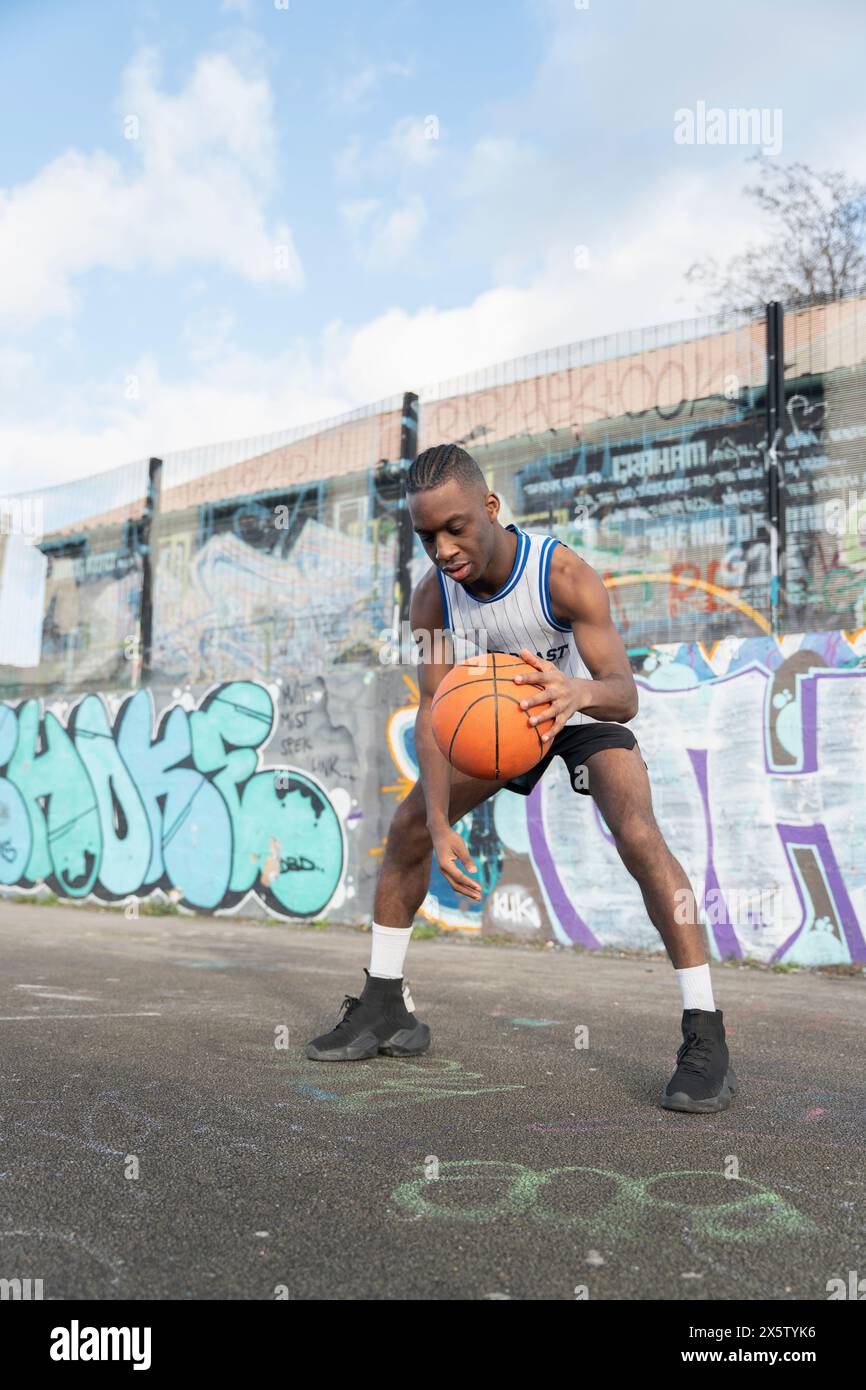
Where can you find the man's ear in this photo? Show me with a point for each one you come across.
(491, 502)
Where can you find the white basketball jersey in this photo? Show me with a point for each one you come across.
(518, 616)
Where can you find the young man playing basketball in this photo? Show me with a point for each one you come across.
(529, 594)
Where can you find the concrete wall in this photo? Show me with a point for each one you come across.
(274, 798)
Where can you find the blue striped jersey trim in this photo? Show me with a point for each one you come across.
(446, 608)
(523, 548)
(547, 550)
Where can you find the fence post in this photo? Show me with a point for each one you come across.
(775, 311)
(149, 528)
(406, 536)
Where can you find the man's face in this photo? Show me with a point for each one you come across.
(455, 526)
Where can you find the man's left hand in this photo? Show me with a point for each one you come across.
(564, 694)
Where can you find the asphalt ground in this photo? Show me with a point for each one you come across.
(163, 1136)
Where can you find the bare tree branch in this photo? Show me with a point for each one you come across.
(816, 251)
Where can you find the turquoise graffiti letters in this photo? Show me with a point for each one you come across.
(114, 811)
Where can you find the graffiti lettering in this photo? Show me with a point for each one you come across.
(289, 864)
(112, 811)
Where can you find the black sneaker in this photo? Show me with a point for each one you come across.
(377, 1022)
(704, 1079)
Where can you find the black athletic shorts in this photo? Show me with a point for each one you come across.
(575, 744)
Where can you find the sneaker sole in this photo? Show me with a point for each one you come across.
(406, 1042)
(710, 1106)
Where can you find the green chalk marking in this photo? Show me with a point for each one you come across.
(761, 1216)
(418, 1082)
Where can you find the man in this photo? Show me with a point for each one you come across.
(528, 593)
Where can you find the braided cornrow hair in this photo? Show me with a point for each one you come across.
(439, 465)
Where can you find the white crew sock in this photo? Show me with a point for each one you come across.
(697, 988)
(389, 951)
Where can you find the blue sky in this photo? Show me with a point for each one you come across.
(325, 203)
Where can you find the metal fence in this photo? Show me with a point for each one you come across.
(641, 451)
(647, 452)
(261, 555)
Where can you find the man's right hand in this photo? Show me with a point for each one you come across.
(450, 850)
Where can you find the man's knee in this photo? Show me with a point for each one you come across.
(640, 844)
(408, 837)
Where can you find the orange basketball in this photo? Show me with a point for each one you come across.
(477, 720)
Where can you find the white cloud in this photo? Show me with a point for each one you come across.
(409, 145)
(16, 368)
(358, 213)
(601, 175)
(207, 333)
(349, 162)
(357, 89)
(206, 159)
(492, 159)
(632, 281)
(384, 234)
(96, 427)
(409, 142)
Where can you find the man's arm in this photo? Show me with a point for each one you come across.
(578, 596)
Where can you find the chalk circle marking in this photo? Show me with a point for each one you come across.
(620, 1213)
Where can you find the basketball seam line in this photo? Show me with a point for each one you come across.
(487, 696)
(463, 684)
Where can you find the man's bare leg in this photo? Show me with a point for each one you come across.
(404, 878)
(619, 785)
(382, 1020)
(704, 1080)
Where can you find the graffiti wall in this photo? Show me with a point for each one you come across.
(255, 765)
(242, 596)
(672, 512)
(113, 798)
(275, 799)
(756, 751)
